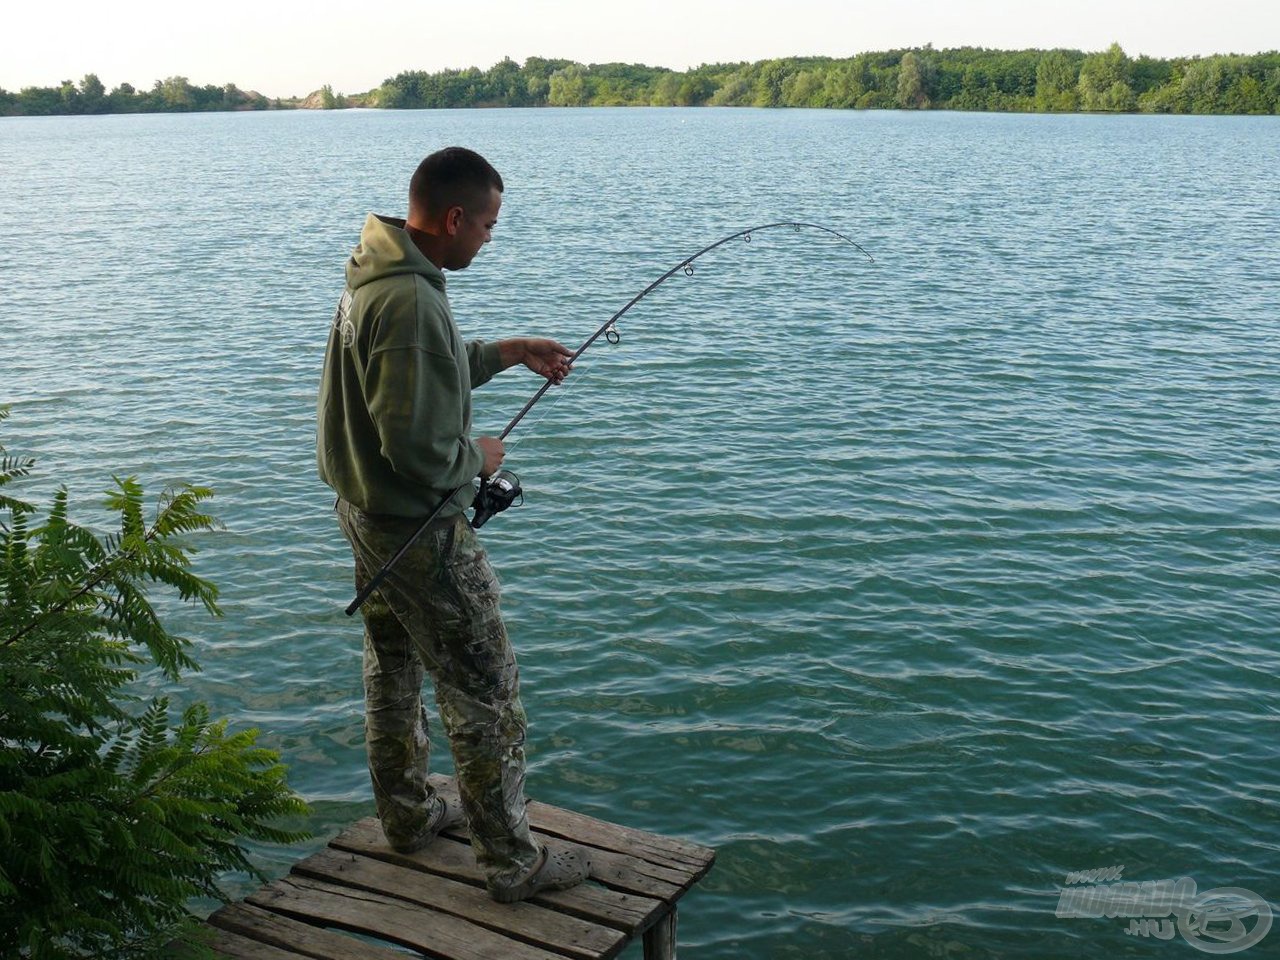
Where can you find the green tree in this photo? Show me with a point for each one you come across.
(911, 93)
(1012, 78)
(505, 85)
(1245, 94)
(1118, 98)
(803, 89)
(93, 95)
(1203, 84)
(1149, 73)
(847, 82)
(69, 94)
(175, 93)
(695, 90)
(208, 97)
(1104, 80)
(1164, 99)
(567, 87)
(769, 81)
(1271, 86)
(123, 99)
(876, 100)
(665, 91)
(975, 88)
(735, 90)
(40, 101)
(538, 89)
(113, 815)
(1057, 76)
(538, 72)
(392, 95)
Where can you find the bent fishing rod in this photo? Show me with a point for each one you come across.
(507, 492)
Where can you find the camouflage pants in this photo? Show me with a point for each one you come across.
(438, 612)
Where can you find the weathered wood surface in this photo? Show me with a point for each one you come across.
(235, 947)
(390, 918)
(433, 902)
(530, 922)
(274, 930)
(446, 858)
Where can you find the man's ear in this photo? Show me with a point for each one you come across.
(453, 220)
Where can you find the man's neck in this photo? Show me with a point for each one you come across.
(428, 243)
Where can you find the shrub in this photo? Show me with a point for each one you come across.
(113, 814)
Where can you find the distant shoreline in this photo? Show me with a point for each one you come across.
(963, 79)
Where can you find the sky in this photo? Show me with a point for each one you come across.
(291, 48)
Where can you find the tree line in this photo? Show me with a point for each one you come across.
(171, 95)
(922, 78)
(966, 78)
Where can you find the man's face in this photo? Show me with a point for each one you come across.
(475, 229)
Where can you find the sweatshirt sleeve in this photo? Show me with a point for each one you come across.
(484, 361)
(418, 412)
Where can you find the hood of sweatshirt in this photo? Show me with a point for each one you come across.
(386, 250)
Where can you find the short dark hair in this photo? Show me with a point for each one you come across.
(452, 177)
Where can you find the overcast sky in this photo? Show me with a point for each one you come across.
(291, 47)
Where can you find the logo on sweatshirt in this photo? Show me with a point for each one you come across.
(342, 320)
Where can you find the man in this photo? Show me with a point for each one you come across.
(393, 440)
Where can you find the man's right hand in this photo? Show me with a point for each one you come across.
(493, 452)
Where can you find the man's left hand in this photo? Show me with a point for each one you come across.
(546, 358)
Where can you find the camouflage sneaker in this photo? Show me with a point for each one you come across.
(560, 868)
(447, 817)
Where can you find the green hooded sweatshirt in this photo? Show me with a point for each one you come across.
(394, 415)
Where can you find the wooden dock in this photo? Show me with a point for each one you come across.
(434, 903)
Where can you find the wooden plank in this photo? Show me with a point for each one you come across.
(665, 859)
(632, 875)
(670, 851)
(445, 857)
(615, 870)
(692, 860)
(522, 921)
(232, 946)
(281, 931)
(436, 934)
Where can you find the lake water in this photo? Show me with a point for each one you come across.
(909, 586)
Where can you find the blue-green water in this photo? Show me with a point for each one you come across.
(910, 587)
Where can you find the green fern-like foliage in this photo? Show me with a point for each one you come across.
(114, 813)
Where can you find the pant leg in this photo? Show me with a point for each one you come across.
(444, 596)
(397, 736)
(478, 694)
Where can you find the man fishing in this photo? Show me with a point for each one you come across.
(394, 441)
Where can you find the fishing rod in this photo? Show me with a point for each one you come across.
(498, 493)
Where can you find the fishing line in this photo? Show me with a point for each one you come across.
(609, 331)
(580, 375)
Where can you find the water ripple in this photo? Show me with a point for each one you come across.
(910, 587)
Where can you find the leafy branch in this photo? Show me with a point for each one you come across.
(113, 815)
(134, 548)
